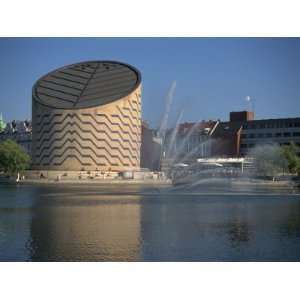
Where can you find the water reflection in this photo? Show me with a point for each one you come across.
(238, 228)
(132, 224)
(291, 226)
(15, 218)
(219, 228)
(238, 233)
(85, 227)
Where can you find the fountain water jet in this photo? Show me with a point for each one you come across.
(194, 151)
(173, 139)
(185, 140)
(165, 117)
(161, 133)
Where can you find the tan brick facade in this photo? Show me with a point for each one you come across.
(104, 137)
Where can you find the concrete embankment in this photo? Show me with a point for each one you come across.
(150, 182)
(236, 183)
(146, 182)
(281, 183)
(83, 177)
(99, 182)
(56, 178)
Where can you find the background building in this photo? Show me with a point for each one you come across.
(187, 142)
(242, 133)
(18, 131)
(225, 140)
(150, 149)
(233, 138)
(193, 139)
(279, 131)
(87, 116)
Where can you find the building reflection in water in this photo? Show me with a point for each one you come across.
(238, 233)
(77, 226)
(95, 224)
(15, 219)
(238, 228)
(182, 228)
(291, 226)
(217, 228)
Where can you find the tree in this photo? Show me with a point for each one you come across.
(289, 152)
(268, 160)
(12, 157)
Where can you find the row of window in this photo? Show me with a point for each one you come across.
(271, 125)
(194, 138)
(253, 145)
(269, 135)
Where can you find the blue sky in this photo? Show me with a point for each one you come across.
(213, 75)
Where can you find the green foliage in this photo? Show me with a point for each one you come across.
(12, 157)
(269, 160)
(289, 152)
(273, 160)
(2, 124)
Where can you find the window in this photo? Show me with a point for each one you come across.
(260, 135)
(296, 133)
(286, 134)
(251, 135)
(243, 136)
(278, 134)
(297, 124)
(269, 135)
(243, 145)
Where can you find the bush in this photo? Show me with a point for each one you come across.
(272, 160)
(289, 152)
(268, 160)
(12, 157)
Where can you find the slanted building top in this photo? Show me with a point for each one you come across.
(86, 84)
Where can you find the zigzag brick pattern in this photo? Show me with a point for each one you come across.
(89, 129)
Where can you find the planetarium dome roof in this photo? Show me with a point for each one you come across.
(86, 84)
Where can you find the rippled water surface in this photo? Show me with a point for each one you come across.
(117, 223)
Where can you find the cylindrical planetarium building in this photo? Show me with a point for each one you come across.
(87, 116)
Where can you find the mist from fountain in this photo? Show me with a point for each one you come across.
(177, 152)
(194, 151)
(173, 139)
(181, 147)
(165, 117)
(171, 148)
(162, 128)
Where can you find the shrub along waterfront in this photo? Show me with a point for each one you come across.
(289, 152)
(273, 160)
(13, 158)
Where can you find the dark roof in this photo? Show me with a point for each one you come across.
(86, 84)
(20, 127)
(227, 128)
(185, 127)
(272, 120)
